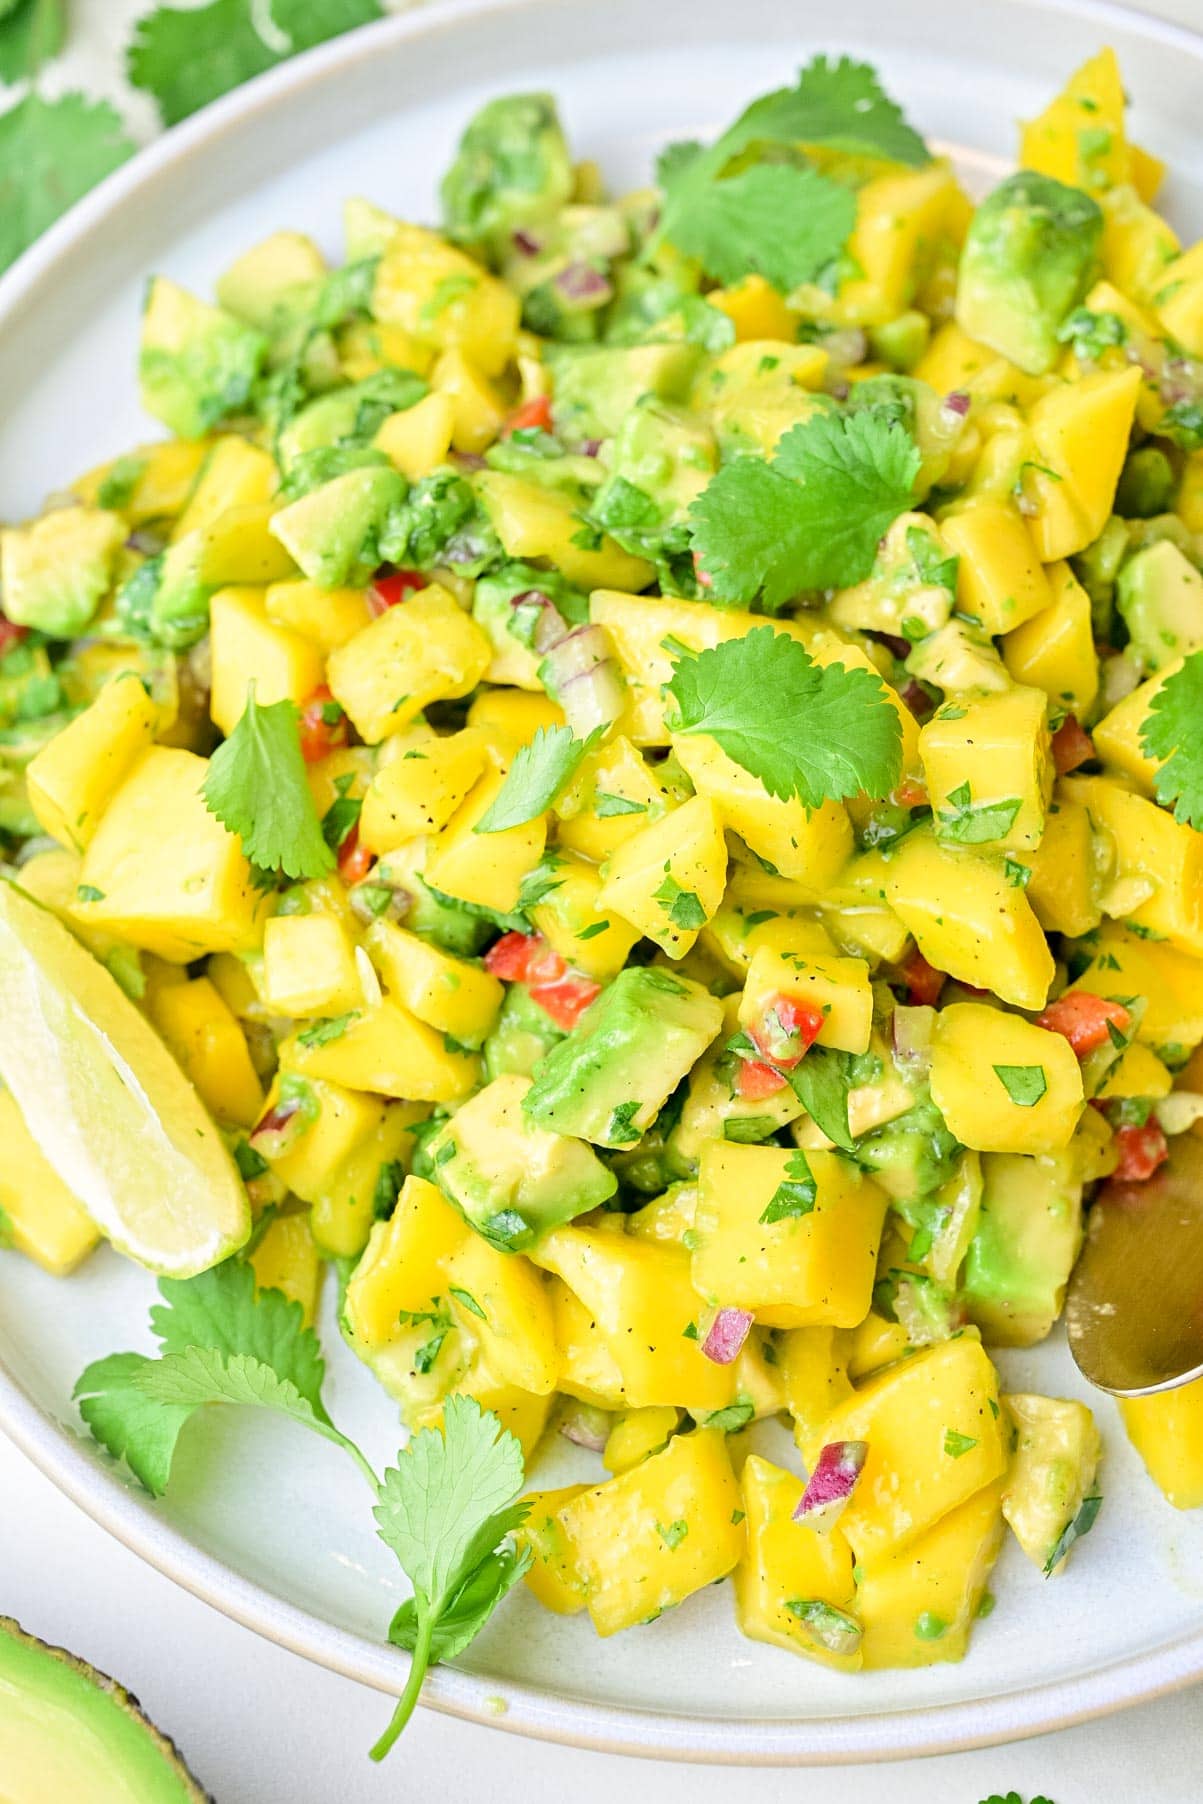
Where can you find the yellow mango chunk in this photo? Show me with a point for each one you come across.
(638, 1433)
(1064, 883)
(787, 1563)
(650, 1539)
(837, 987)
(803, 1265)
(417, 440)
(756, 310)
(613, 796)
(533, 521)
(1000, 582)
(1003, 1084)
(1081, 435)
(1166, 1430)
(554, 1575)
(202, 1033)
(968, 920)
(484, 868)
(1171, 983)
(1054, 650)
(286, 1259)
(344, 1207)
(402, 1270)
(420, 791)
(509, 718)
(911, 1415)
(426, 650)
(169, 877)
(440, 296)
(326, 617)
(989, 768)
(387, 1050)
(72, 779)
(335, 1122)
(450, 994)
(574, 926)
(875, 1343)
(1179, 300)
(668, 879)
(899, 220)
(808, 846)
(814, 1369)
(156, 479)
(918, 1606)
(1079, 137)
(1117, 737)
(501, 1301)
(478, 408)
(1138, 1072)
(1054, 1458)
(309, 966)
(1156, 858)
(236, 474)
(45, 1220)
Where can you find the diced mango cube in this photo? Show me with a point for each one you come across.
(668, 879)
(989, 768)
(787, 1566)
(484, 868)
(1003, 1084)
(533, 521)
(999, 578)
(1166, 1430)
(1054, 650)
(918, 1605)
(286, 1259)
(309, 966)
(420, 791)
(1158, 860)
(387, 1050)
(72, 779)
(450, 994)
(838, 988)
(417, 440)
(807, 845)
(426, 650)
(501, 1301)
(326, 617)
(204, 1036)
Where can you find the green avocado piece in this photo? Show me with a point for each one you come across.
(511, 1179)
(1028, 259)
(196, 364)
(523, 1035)
(912, 1155)
(1146, 484)
(55, 572)
(348, 415)
(1028, 1235)
(1055, 1455)
(661, 460)
(333, 532)
(67, 1731)
(440, 521)
(512, 171)
(630, 1049)
(1160, 595)
(596, 387)
(274, 282)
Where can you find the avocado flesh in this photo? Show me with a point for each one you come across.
(68, 1732)
(1160, 595)
(1027, 1238)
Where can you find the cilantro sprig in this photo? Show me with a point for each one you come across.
(535, 778)
(257, 788)
(1172, 733)
(806, 730)
(446, 1509)
(813, 517)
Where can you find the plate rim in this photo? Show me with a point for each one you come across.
(525, 1710)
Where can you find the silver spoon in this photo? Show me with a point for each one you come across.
(1134, 1307)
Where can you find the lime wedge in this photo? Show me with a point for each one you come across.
(107, 1104)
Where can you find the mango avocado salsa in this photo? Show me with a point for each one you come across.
(629, 775)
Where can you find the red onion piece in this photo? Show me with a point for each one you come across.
(847, 346)
(277, 1132)
(590, 447)
(585, 1426)
(583, 285)
(576, 653)
(550, 627)
(957, 402)
(522, 241)
(831, 1484)
(727, 1334)
(146, 540)
(593, 698)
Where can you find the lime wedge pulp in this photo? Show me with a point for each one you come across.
(107, 1104)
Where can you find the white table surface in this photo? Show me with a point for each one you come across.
(260, 1726)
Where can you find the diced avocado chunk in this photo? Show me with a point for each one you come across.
(1146, 484)
(197, 364)
(499, 605)
(1054, 1457)
(661, 460)
(1028, 259)
(1160, 595)
(512, 171)
(273, 282)
(595, 388)
(630, 1049)
(912, 1155)
(334, 531)
(348, 415)
(523, 1035)
(55, 572)
(511, 1178)
(1027, 1239)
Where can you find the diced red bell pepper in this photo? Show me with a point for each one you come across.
(755, 1080)
(534, 414)
(527, 958)
(910, 793)
(1141, 1151)
(323, 725)
(509, 957)
(389, 590)
(1072, 745)
(354, 860)
(785, 1031)
(10, 634)
(1082, 1019)
(565, 998)
(923, 982)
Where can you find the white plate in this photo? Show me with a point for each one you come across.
(261, 1520)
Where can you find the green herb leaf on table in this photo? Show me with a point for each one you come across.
(803, 729)
(1173, 733)
(444, 1510)
(535, 778)
(257, 788)
(186, 58)
(31, 33)
(51, 153)
(812, 518)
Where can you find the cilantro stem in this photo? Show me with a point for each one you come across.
(418, 1668)
(330, 1433)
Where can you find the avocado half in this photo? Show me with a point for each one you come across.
(67, 1732)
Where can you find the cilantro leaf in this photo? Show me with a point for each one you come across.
(443, 1510)
(804, 729)
(257, 788)
(971, 823)
(223, 1309)
(1079, 1525)
(535, 778)
(469, 1609)
(51, 153)
(1171, 732)
(813, 517)
(772, 220)
(1024, 1084)
(795, 1195)
(31, 33)
(821, 1083)
(185, 59)
(843, 106)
